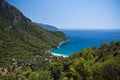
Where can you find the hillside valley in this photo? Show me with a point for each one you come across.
(23, 42)
(24, 53)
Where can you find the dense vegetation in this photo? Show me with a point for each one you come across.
(48, 27)
(24, 44)
(24, 53)
(90, 64)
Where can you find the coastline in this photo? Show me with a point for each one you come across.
(61, 43)
(57, 54)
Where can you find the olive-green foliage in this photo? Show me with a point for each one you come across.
(56, 70)
(23, 40)
(24, 44)
(27, 74)
(90, 64)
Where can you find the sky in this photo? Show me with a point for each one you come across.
(72, 14)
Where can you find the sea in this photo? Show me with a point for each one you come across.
(80, 39)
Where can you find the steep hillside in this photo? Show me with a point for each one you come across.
(48, 27)
(24, 53)
(21, 39)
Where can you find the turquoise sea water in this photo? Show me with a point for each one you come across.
(80, 39)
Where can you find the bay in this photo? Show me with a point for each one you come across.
(80, 39)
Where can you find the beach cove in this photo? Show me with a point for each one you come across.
(80, 39)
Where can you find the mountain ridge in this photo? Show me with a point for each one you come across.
(48, 27)
(22, 39)
(24, 56)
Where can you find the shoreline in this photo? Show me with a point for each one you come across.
(61, 43)
(57, 54)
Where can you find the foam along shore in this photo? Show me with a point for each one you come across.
(63, 43)
(56, 54)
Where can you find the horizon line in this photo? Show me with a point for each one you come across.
(91, 28)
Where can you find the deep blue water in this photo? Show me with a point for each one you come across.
(80, 39)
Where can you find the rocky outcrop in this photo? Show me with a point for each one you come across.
(11, 13)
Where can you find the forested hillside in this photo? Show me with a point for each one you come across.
(101, 63)
(24, 43)
(24, 53)
(48, 27)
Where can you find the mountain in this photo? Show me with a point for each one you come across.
(24, 53)
(48, 27)
(21, 40)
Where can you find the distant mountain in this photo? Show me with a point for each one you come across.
(48, 27)
(24, 53)
(21, 39)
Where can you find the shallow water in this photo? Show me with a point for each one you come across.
(80, 39)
